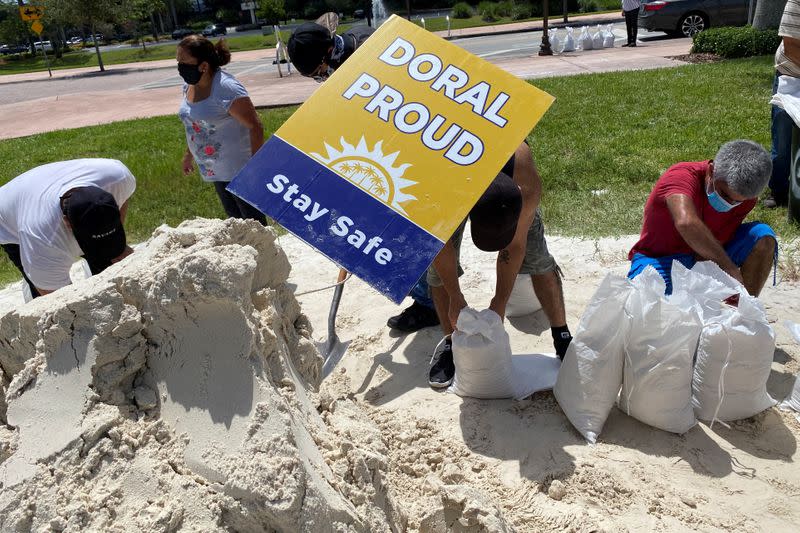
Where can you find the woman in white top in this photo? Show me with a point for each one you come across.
(222, 127)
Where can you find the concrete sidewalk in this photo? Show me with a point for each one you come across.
(268, 90)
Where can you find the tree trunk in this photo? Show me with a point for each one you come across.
(174, 14)
(768, 14)
(96, 46)
(153, 23)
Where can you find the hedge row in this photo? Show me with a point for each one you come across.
(736, 42)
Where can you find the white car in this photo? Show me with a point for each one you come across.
(43, 45)
(75, 41)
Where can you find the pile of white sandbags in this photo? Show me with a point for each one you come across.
(668, 360)
(586, 40)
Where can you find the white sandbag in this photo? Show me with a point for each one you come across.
(585, 40)
(523, 300)
(569, 42)
(736, 348)
(555, 42)
(597, 38)
(484, 365)
(608, 37)
(591, 373)
(657, 378)
(792, 401)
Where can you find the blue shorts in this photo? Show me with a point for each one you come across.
(738, 249)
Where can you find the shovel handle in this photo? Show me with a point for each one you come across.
(337, 297)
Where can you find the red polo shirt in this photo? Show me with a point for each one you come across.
(659, 236)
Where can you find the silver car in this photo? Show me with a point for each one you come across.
(687, 17)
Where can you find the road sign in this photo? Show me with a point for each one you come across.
(248, 6)
(30, 13)
(385, 160)
(37, 27)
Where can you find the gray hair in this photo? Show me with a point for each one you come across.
(744, 165)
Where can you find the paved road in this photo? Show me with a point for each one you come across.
(491, 47)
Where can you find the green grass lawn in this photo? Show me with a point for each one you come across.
(152, 52)
(613, 132)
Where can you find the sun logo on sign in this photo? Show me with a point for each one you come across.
(371, 170)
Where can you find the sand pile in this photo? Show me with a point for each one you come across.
(176, 392)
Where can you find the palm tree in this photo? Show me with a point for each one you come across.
(768, 14)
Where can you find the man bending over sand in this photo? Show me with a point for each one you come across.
(695, 212)
(506, 220)
(55, 213)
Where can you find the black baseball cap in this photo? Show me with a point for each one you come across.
(94, 217)
(308, 47)
(494, 218)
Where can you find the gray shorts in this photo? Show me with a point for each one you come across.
(537, 258)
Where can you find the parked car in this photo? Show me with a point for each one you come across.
(687, 17)
(7, 49)
(99, 37)
(212, 30)
(180, 33)
(75, 41)
(47, 46)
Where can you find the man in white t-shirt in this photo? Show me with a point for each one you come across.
(787, 63)
(55, 213)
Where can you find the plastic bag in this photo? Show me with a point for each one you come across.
(608, 37)
(657, 378)
(736, 348)
(555, 42)
(585, 40)
(591, 373)
(484, 365)
(569, 42)
(597, 38)
(523, 300)
(787, 97)
(792, 402)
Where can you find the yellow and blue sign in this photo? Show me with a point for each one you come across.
(381, 165)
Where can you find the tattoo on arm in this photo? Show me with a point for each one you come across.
(504, 256)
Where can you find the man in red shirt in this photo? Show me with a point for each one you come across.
(695, 213)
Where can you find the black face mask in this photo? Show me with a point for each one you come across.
(190, 73)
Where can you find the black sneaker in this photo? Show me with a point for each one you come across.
(443, 370)
(414, 318)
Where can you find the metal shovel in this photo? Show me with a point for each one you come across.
(333, 349)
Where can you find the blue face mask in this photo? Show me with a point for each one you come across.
(719, 203)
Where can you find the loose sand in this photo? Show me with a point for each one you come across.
(177, 392)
